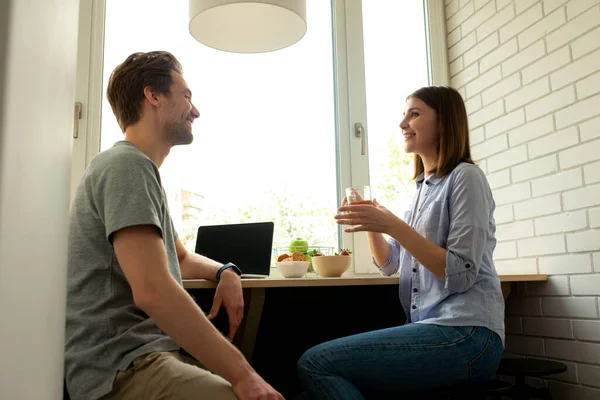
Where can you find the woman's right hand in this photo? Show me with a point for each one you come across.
(372, 217)
(357, 199)
(380, 248)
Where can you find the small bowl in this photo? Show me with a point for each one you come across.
(292, 269)
(331, 266)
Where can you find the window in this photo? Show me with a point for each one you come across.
(264, 146)
(395, 66)
(275, 139)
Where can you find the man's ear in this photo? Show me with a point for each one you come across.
(151, 96)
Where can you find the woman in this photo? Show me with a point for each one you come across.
(449, 287)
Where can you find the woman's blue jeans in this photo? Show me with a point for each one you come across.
(411, 357)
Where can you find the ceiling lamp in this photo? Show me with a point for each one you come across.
(248, 26)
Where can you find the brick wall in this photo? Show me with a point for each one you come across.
(529, 71)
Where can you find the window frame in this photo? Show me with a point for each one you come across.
(353, 103)
(349, 82)
(88, 87)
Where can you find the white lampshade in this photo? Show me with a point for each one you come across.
(248, 26)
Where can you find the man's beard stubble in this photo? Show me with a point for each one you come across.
(179, 133)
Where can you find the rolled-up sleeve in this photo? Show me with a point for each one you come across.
(391, 265)
(470, 210)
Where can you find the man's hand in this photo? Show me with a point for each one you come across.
(229, 295)
(253, 387)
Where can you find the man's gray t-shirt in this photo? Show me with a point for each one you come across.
(105, 331)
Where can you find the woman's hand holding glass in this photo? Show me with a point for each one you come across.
(366, 218)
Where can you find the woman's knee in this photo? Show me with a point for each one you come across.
(305, 363)
(312, 361)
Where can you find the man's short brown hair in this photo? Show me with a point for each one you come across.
(127, 82)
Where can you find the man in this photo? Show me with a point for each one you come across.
(127, 313)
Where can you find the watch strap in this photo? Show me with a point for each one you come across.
(227, 266)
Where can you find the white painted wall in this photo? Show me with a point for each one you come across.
(38, 48)
(530, 73)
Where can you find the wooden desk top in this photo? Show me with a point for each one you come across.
(348, 279)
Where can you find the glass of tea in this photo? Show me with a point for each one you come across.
(359, 195)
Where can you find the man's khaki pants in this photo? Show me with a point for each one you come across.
(168, 375)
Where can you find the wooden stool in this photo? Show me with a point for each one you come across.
(520, 368)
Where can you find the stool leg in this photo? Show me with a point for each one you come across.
(521, 389)
(542, 393)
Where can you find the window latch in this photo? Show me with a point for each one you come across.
(77, 117)
(359, 132)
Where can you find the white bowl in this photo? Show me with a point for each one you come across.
(292, 269)
(331, 266)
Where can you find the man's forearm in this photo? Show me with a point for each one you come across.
(195, 266)
(190, 329)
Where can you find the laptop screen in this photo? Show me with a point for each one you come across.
(246, 245)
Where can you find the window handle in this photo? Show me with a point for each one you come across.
(77, 117)
(359, 132)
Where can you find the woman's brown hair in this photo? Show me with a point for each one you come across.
(127, 82)
(453, 129)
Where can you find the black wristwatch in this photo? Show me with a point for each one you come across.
(227, 266)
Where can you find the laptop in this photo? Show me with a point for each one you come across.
(247, 245)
